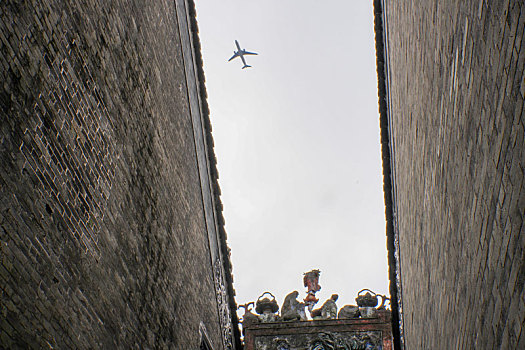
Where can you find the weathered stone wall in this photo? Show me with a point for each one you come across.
(102, 232)
(457, 91)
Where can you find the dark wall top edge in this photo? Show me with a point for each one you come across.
(387, 170)
(225, 250)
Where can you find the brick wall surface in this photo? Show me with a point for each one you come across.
(102, 236)
(457, 93)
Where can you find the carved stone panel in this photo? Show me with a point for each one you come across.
(365, 340)
(373, 333)
(222, 302)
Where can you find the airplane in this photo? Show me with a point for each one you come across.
(240, 53)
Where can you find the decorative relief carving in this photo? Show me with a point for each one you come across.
(281, 344)
(368, 340)
(222, 302)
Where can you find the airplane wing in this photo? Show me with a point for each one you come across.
(249, 53)
(236, 54)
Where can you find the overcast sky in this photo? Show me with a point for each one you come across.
(297, 144)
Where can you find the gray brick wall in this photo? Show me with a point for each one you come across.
(457, 92)
(103, 239)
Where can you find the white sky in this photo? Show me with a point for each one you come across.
(297, 144)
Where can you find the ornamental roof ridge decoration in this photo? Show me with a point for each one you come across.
(362, 326)
(293, 310)
(311, 281)
(267, 308)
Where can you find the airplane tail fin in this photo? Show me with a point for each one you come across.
(246, 66)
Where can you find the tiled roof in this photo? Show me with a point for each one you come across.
(382, 77)
(225, 250)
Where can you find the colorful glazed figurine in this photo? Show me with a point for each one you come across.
(311, 281)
